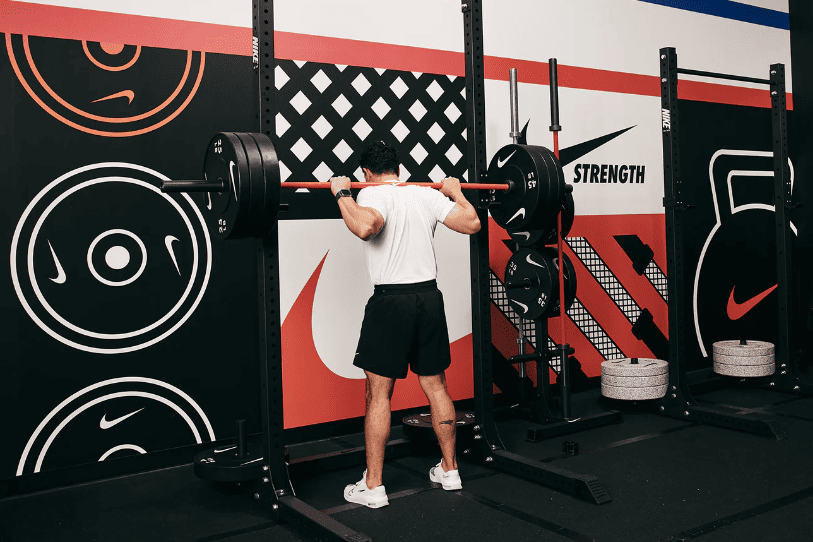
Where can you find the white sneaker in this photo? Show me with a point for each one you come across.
(450, 480)
(359, 493)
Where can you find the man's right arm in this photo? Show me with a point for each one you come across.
(463, 216)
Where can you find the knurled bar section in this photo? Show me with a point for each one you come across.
(608, 281)
(658, 279)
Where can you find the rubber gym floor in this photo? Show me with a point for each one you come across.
(669, 480)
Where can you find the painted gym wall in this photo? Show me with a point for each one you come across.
(609, 95)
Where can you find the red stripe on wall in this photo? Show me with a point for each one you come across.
(81, 24)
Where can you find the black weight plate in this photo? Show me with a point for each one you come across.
(543, 237)
(570, 282)
(272, 183)
(516, 208)
(221, 464)
(419, 426)
(532, 301)
(257, 183)
(227, 211)
(548, 209)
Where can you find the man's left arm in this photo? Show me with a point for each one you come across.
(363, 222)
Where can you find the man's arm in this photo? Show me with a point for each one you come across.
(363, 222)
(463, 216)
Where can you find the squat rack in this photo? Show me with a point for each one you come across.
(679, 402)
(275, 489)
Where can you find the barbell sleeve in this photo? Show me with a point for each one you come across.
(464, 186)
(525, 283)
(192, 186)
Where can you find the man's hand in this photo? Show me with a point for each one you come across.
(339, 183)
(451, 186)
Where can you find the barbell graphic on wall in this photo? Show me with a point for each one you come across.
(242, 185)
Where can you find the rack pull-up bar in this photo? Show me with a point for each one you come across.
(725, 76)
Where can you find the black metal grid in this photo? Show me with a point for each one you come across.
(658, 279)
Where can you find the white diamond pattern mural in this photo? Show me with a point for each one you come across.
(327, 113)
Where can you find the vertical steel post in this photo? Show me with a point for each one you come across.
(782, 201)
(678, 393)
(477, 168)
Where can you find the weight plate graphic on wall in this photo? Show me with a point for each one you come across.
(105, 89)
(103, 262)
(112, 419)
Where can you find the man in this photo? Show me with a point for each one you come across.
(404, 321)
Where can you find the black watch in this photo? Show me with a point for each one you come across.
(342, 193)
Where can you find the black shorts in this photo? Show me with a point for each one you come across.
(404, 326)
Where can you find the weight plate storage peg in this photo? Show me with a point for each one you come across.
(537, 187)
(743, 358)
(634, 379)
(530, 282)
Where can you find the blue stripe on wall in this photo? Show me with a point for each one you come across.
(730, 10)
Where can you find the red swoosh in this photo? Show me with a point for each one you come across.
(129, 94)
(738, 310)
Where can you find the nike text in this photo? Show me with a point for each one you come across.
(609, 173)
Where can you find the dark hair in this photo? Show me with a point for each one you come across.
(379, 158)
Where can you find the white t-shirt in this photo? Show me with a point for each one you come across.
(403, 252)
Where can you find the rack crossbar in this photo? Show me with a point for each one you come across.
(725, 76)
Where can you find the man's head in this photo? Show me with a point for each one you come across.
(379, 158)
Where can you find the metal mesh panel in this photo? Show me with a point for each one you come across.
(658, 280)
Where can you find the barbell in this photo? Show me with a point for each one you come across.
(241, 186)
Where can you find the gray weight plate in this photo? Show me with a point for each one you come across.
(625, 367)
(744, 360)
(635, 381)
(744, 370)
(633, 394)
(752, 348)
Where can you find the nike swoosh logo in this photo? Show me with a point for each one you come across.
(738, 310)
(530, 261)
(231, 175)
(209, 200)
(524, 307)
(527, 234)
(501, 163)
(168, 242)
(104, 424)
(129, 94)
(60, 273)
(520, 212)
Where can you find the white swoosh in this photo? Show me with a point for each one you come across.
(60, 273)
(527, 234)
(530, 261)
(231, 175)
(168, 242)
(225, 450)
(524, 307)
(520, 212)
(104, 424)
(500, 163)
(209, 198)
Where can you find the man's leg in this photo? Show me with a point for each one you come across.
(443, 416)
(377, 425)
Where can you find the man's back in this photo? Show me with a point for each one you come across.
(403, 252)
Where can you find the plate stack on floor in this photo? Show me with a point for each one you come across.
(744, 358)
(634, 379)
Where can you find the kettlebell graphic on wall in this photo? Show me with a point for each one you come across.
(733, 295)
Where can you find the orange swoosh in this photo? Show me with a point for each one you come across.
(129, 94)
(738, 310)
